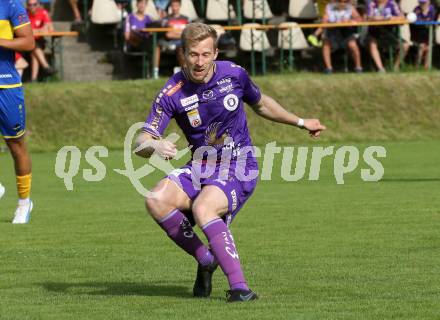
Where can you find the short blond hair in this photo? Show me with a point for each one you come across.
(196, 32)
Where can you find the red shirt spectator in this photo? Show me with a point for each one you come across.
(40, 20)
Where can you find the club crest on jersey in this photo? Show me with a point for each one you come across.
(231, 102)
(189, 100)
(194, 118)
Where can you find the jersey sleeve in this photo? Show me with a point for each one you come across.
(18, 16)
(159, 117)
(251, 93)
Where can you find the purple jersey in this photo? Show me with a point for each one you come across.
(209, 114)
(429, 16)
(133, 24)
(388, 10)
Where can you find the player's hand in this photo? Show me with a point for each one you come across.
(165, 149)
(314, 127)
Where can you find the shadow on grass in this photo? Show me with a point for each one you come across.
(410, 180)
(118, 289)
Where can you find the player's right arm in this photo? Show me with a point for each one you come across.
(150, 139)
(146, 144)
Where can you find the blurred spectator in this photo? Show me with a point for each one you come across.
(20, 63)
(172, 40)
(78, 7)
(76, 12)
(161, 7)
(425, 11)
(135, 22)
(382, 35)
(315, 38)
(343, 37)
(40, 22)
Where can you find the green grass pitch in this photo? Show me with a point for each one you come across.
(310, 249)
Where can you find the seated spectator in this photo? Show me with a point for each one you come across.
(172, 40)
(343, 37)
(382, 35)
(161, 7)
(425, 11)
(20, 63)
(136, 39)
(40, 22)
(315, 38)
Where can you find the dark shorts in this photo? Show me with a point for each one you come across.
(385, 36)
(12, 113)
(237, 190)
(40, 42)
(339, 37)
(419, 34)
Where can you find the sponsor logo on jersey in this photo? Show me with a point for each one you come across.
(174, 89)
(157, 118)
(224, 81)
(5, 76)
(231, 102)
(194, 118)
(208, 94)
(194, 106)
(226, 89)
(189, 100)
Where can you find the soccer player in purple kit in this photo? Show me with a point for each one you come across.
(207, 100)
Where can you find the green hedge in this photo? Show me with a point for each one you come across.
(356, 108)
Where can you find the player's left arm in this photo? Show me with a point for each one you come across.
(23, 39)
(270, 109)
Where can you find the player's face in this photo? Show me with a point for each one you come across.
(199, 60)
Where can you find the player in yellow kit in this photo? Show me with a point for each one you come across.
(15, 35)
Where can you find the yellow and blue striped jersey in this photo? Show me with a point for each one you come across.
(12, 16)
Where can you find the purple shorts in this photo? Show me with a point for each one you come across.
(237, 184)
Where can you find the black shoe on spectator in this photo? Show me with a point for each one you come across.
(328, 71)
(49, 71)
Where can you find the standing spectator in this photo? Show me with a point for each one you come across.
(76, 12)
(135, 22)
(78, 7)
(335, 38)
(382, 35)
(161, 6)
(40, 22)
(172, 40)
(425, 11)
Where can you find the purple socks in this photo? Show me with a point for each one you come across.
(223, 247)
(179, 229)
